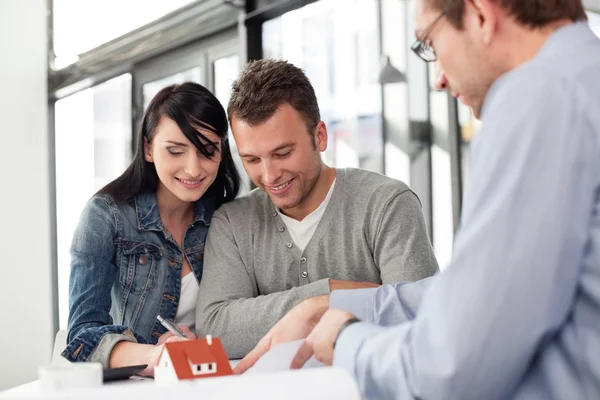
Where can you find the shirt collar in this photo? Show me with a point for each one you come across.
(565, 37)
(149, 217)
(561, 39)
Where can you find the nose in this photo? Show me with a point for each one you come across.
(193, 166)
(441, 81)
(271, 172)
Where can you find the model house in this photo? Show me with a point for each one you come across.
(191, 359)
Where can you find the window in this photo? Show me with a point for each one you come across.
(441, 176)
(397, 163)
(468, 128)
(594, 22)
(150, 89)
(204, 368)
(93, 146)
(226, 70)
(399, 148)
(326, 38)
(443, 230)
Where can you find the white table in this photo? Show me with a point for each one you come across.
(317, 383)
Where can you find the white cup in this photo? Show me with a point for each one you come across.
(70, 376)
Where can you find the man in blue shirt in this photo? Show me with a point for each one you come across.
(516, 314)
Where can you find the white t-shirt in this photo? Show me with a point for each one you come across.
(186, 311)
(302, 231)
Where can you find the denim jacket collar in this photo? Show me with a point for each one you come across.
(148, 215)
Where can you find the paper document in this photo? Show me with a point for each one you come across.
(280, 357)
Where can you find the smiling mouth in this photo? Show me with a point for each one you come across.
(190, 182)
(281, 188)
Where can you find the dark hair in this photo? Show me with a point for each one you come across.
(532, 13)
(189, 105)
(267, 84)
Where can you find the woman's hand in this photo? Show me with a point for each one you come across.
(126, 353)
(154, 353)
(188, 334)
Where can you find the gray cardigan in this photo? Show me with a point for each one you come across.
(372, 230)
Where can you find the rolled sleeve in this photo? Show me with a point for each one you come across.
(102, 352)
(96, 343)
(359, 302)
(386, 305)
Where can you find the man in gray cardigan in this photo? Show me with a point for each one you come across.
(307, 229)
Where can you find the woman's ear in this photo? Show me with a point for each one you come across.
(147, 151)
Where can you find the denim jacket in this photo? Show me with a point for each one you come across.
(126, 270)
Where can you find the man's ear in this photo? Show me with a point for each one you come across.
(321, 136)
(484, 15)
(147, 151)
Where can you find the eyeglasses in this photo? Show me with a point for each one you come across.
(420, 46)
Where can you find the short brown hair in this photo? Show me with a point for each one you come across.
(265, 85)
(532, 13)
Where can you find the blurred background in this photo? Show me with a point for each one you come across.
(77, 75)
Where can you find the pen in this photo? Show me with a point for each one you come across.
(170, 326)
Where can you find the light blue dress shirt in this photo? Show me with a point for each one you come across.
(516, 314)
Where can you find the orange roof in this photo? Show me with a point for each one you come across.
(198, 351)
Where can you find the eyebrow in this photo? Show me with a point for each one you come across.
(276, 149)
(283, 146)
(176, 143)
(185, 145)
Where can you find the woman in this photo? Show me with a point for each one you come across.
(138, 249)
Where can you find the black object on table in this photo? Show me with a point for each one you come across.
(115, 374)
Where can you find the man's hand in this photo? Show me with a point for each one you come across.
(344, 285)
(321, 340)
(296, 324)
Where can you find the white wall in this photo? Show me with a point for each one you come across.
(26, 321)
